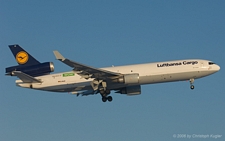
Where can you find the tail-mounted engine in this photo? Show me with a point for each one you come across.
(32, 70)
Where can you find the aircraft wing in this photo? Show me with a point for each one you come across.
(26, 78)
(86, 71)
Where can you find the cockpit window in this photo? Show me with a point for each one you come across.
(211, 63)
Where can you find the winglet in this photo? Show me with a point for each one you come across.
(58, 56)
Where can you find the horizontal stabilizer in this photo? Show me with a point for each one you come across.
(26, 78)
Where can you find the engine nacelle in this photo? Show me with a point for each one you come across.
(32, 70)
(129, 78)
(131, 90)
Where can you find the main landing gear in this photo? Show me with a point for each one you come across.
(104, 98)
(102, 87)
(104, 94)
(191, 82)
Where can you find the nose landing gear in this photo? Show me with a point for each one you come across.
(192, 87)
(191, 82)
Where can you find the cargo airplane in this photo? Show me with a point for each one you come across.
(85, 80)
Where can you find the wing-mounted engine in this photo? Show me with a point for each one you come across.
(128, 79)
(32, 70)
(131, 90)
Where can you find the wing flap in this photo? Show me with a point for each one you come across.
(26, 78)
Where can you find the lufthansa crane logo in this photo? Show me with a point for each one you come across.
(22, 57)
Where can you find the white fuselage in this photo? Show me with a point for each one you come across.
(149, 73)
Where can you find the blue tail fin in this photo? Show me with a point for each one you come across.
(22, 57)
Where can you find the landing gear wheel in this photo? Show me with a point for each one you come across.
(109, 98)
(104, 99)
(191, 82)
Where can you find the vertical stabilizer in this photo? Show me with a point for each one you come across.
(22, 57)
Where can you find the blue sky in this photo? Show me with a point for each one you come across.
(105, 33)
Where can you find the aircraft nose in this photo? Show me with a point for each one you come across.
(217, 67)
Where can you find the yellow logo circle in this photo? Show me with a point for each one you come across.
(22, 57)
